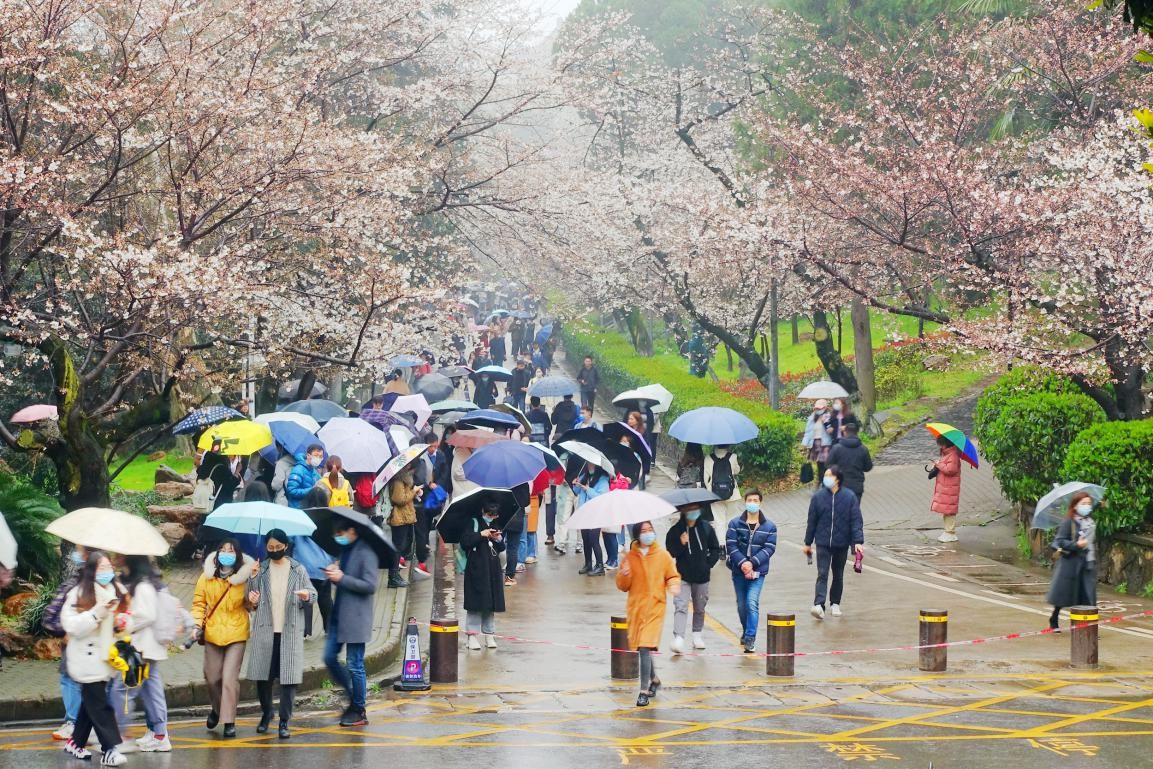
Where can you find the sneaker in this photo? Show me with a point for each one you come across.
(530, 560)
(678, 644)
(698, 641)
(549, 541)
(403, 562)
(354, 717)
(947, 537)
(147, 738)
(560, 550)
(128, 747)
(473, 642)
(584, 570)
(422, 570)
(643, 700)
(162, 745)
(817, 611)
(579, 549)
(64, 732)
(112, 758)
(509, 582)
(489, 641)
(597, 572)
(835, 610)
(611, 567)
(77, 751)
(750, 645)
(520, 568)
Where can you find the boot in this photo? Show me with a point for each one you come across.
(265, 719)
(395, 580)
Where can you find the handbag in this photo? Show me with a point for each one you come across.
(204, 622)
(807, 472)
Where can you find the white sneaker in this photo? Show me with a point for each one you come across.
(64, 732)
(112, 758)
(473, 643)
(698, 640)
(835, 610)
(678, 644)
(77, 751)
(530, 559)
(157, 746)
(128, 747)
(147, 738)
(489, 641)
(817, 611)
(520, 568)
(947, 537)
(579, 549)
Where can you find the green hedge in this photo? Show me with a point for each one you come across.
(1027, 442)
(1118, 456)
(622, 369)
(1022, 380)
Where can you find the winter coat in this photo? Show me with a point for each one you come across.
(496, 350)
(284, 466)
(835, 519)
(519, 382)
(485, 393)
(584, 495)
(145, 610)
(291, 670)
(742, 543)
(1065, 589)
(648, 582)
(733, 463)
(483, 576)
(300, 481)
(589, 379)
(564, 416)
(90, 636)
(854, 459)
(402, 494)
(352, 608)
(695, 560)
(228, 623)
(947, 488)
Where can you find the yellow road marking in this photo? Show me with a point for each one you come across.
(1074, 720)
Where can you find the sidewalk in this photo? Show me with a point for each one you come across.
(30, 689)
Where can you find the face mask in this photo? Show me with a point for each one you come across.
(830, 481)
(105, 577)
(276, 555)
(489, 519)
(226, 559)
(647, 538)
(837, 407)
(752, 507)
(342, 540)
(76, 558)
(692, 516)
(314, 461)
(1084, 509)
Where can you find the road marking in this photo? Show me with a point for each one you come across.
(893, 561)
(940, 576)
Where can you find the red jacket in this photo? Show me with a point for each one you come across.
(947, 491)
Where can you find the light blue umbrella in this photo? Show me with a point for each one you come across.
(406, 361)
(1054, 506)
(497, 420)
(260, 518)
(498, 373)
(553, 387)
(713, 426)
(504, 465)
(440, 407)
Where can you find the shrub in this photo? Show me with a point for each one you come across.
(898, 383)
(622, 369)
(1116, 455)
(1027, 442)
(27, 510)
(1019, 381)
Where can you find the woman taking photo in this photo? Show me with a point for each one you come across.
(142, 581)
(1075, 548)
(220, 608)
(590, 484)
(283, 595)
(647, 574)
(88, 617)
(483, 577)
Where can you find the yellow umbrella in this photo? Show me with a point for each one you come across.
(237, 438)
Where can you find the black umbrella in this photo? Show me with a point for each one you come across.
(624, 459)
(375, 536)
(455, 372)
(456, 518)
(617, 430)
(434, 387)
(689, 497)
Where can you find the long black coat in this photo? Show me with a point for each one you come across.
(483, 576)
(1068, 587)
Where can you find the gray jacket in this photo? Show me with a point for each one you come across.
(291, 637)
(352, 609)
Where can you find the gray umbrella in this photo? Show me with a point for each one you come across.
(288, 390)
(434, 387)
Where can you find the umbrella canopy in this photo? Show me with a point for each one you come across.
(688, 498)
(544, 333)
(552, 461)
(394, 466)
(361, 447)
(386, 420)
(504, 465)
(495, 373)
(588, 454)
(414, 404)
(448, 417)
(34, 413)
(636, 400)
(823, 389)
(457, 516)
(1054, 506)
(441, 407)
(955, 437)
(661, 393)
(406, 361)
(319, 409)
(614, 431)
(291, 437)
(375, 536)
(303, 420)
(553, 387)
(713, 426)
(237, 438)
(513, 411)
(260, 518)
(497, 420)
(290, 388)
(474, 439)
(194, 421)
(114, 531)
(619, 508)
(455, 372)
(7, 545)
(497, 315)
(434, 387)
(523, 314)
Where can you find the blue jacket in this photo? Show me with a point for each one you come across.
(598, 488)
(300, 481)
(743, 544)
(835, 519)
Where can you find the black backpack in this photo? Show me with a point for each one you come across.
(724, 484)
(564, 416)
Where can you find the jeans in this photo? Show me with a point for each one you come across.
(612, 553)
(699, 592)
(480, 622)
(70, 691)
(833, 558)
(588, 398)
(353, 678)
(527, 546)
(748, 602)
(648, 668)
(151, 693)
(550, 517)
(511, 552)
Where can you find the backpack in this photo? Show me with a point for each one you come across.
(363, 494)
(565, 416)
(538, 432)
(724, 484)
(461, 555)
(204, 495)
(169, 617)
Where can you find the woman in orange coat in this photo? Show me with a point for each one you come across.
(647, 573)
(947, 489)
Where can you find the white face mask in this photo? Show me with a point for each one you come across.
(1084, 509)
(314, 461)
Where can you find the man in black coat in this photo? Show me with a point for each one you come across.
(518, 384)
(693, 543)
(853, 458)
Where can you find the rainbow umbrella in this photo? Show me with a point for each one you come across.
(957, 438)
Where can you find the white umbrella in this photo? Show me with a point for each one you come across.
(619, 508)
(402, 460)
(589, 454)
(115, 531)
(361, 447)
(417, 404)
(304, 420)
(823, 389)
(7, 545)
(661, 393)
(1054, 506)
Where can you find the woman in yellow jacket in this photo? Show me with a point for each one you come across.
(339, 489)
(220, 608)
(647, 574)
(403, 496)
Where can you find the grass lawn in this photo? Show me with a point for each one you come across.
(138, 476)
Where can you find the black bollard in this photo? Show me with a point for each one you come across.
(933, 629)
(623, 662)
(781, 636)
(1083, 636)
(443, 637)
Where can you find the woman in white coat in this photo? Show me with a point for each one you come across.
(142, 581)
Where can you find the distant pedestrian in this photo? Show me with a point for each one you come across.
(720, 477)
(518, 385)
(841, 417)
(142, 581)
(648, 574)
(691, 467)
(693, 544)
(402, 493)
(513, 532)
(947, 488)
(516, 336)
(834, 526)
(483, 578)
(485, 395)
(538, 361)
(431, 502)
(356, 576)
(496, 347)
(540, 426)
(588, 485)
(1074, 580)
(565, 415)
(817, 439)
(589, 379)
(750, 542)
(853, 458)
(587, 419)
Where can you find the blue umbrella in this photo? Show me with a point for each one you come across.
(292, 437)
(198, 419)
(554, 387)
(543, 335)
(713, 426)
(504, 464)
(318, 409)
(406, 361)
(489, 418)
(260, 518)
(498, 373)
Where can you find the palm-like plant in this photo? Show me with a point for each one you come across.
(27, 510)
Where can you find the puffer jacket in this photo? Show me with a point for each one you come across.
(90, 636)
(695, 560)
(402, 495)
(145, 611)
(947, 489)
(742, 543)
(228, 624)
(835, 519)
(301, 480)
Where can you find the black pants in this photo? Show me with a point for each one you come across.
(594, 558)
(550, 517)
(833, 558)
(424, 519)
(588, 398)
(96, 713)
(323, 602)
(511, 549)
(402, 539)
(264, 688)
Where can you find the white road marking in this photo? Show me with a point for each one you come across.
(940, 576)
(893, 561)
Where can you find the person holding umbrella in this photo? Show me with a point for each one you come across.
(282, 595)
(816, 439)
(483, 577)
(588, 485)
(947, 488)
(647, 574)
(1074, 580)
(485, 395)
(693, 544)
(721, 469)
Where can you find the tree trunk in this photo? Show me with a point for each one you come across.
(830, 358)
(796, 328)
(78, 455)
(639, 330)
(863, 355)
(746, 352)
(729, 357)
(307, 380)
